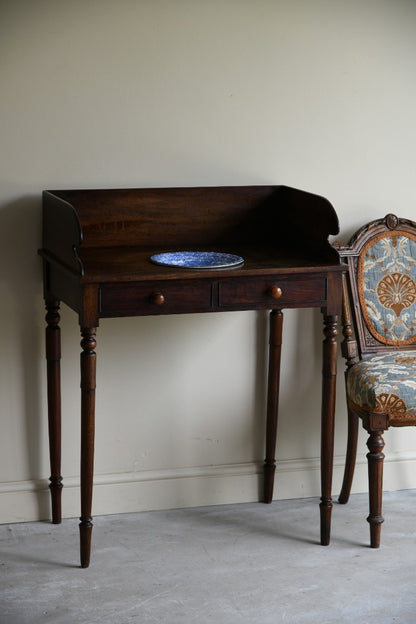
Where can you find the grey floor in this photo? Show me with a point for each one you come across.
(239, 564)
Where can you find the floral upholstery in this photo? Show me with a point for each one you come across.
(385, 383)
(387, 287)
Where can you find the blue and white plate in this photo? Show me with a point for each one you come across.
(197, 259)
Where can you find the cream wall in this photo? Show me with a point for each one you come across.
(315, 94)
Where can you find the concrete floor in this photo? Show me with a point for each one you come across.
(239, 564)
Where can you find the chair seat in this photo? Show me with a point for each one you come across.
(385, 383)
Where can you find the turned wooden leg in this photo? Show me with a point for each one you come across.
(88, 377)
(375, 458)
(53, 360)
(275, 346)
(329, 372)
(350, 458)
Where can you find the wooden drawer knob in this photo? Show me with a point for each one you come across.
(157, 298)
(275, 292)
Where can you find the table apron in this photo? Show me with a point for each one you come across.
(207, 295)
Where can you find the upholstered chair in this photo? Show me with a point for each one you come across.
(379, 328)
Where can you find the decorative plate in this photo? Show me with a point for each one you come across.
(197, 259)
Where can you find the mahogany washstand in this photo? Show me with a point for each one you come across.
(96, 256)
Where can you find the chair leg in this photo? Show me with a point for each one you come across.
(375, 458)
(350, 458)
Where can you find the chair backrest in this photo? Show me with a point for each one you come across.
(381, 258)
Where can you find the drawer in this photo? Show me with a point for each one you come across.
(273, 292)
(130, 298)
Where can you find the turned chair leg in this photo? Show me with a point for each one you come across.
(350, 458)
(375, 458)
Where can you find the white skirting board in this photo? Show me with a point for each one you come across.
(26, 501)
